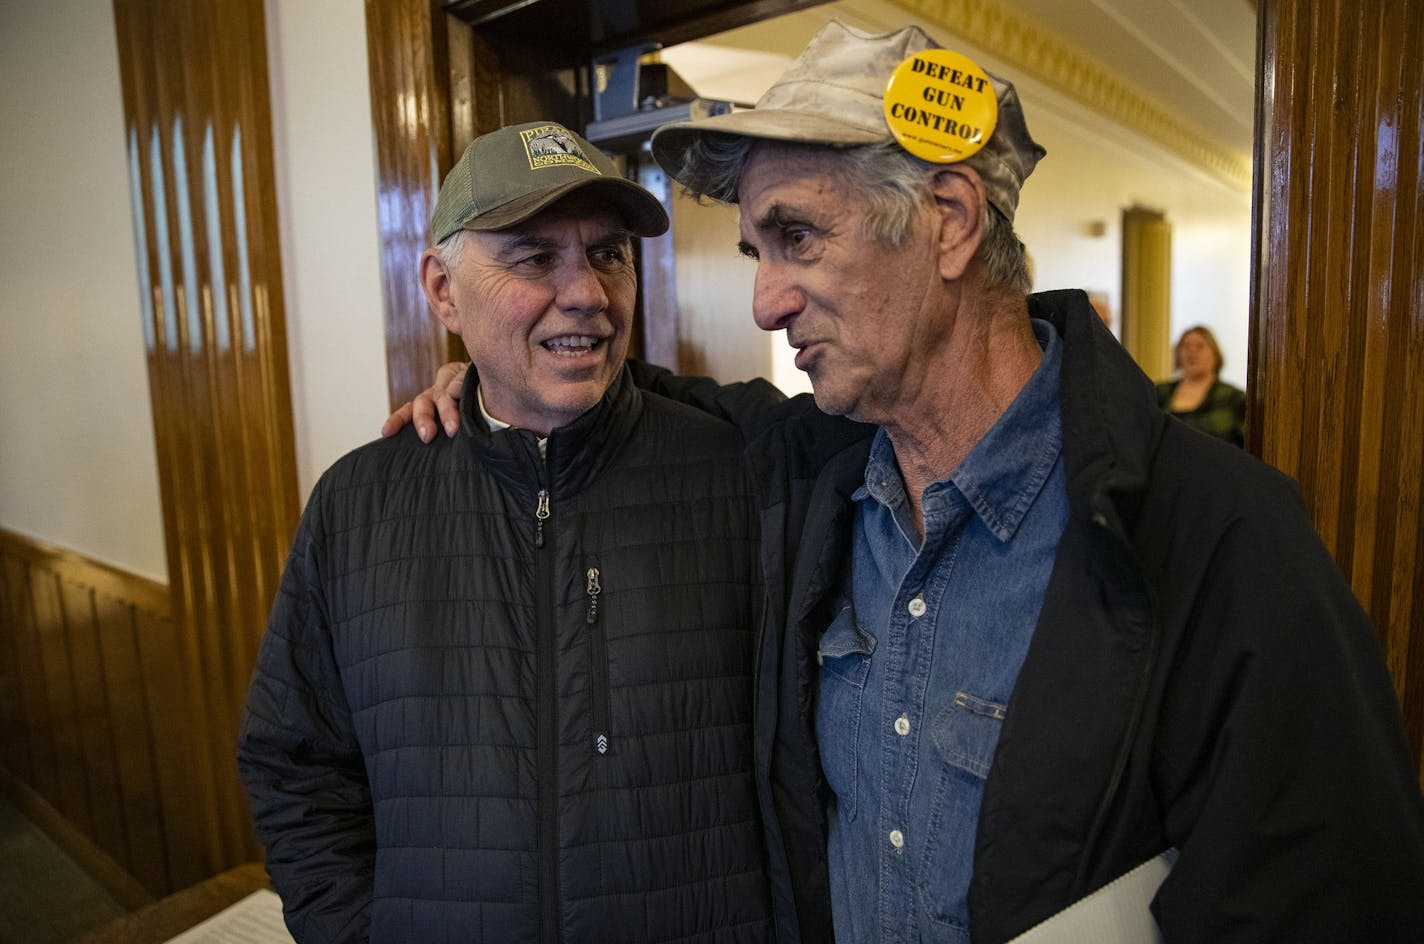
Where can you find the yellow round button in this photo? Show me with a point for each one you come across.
(940, 106)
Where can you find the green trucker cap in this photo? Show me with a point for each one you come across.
(506, 176)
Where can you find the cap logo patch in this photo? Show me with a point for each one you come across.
(552, 146)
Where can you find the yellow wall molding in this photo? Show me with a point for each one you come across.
(1028, 47)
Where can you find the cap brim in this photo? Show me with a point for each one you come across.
(640, 210)
(671, 141)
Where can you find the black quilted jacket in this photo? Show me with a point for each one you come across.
(504, 700)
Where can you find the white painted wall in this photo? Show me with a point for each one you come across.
(326, 202)
(1091, 174)
(1211, 286)
(79, 468)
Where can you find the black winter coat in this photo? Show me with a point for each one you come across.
(1201, 676)
(503, 700)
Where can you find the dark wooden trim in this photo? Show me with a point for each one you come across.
(199, 131)
(410, 115)
(111, 876)
(599, 27)
(99, 716)
(170, 917)
(76, 568)
(1336, 383)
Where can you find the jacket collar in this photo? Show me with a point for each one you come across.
(576, 454)
(1111, 421)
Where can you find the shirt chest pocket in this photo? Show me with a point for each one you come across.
(844, 654)
(965, 735)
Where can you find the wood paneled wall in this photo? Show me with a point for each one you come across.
(1336, 386)
(411, 117)
(199, 137)
(92, 710)
(1147, 289)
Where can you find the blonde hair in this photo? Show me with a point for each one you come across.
(1210, 339)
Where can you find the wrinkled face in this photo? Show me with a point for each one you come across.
(1195, 356)
(545, 309)
(855, 311)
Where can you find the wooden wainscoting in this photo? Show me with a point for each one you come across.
(93, 725)
(1336, 372)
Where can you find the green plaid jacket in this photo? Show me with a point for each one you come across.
(1222, 412)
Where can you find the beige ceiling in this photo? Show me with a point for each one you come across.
(1180, 72)
(1196, 57)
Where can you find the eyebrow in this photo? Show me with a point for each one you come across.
(515, 243)
(525, 242)
(614, 237)
(778, 214)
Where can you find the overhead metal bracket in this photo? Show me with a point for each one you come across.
(616, 81)
(632, 99)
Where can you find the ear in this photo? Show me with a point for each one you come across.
(959, 198)
(437, 281)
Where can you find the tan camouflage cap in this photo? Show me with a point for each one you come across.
(507, 176)
(833, 94)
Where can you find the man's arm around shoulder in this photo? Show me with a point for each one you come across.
(751, 405)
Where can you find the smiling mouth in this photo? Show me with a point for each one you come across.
(572, 345)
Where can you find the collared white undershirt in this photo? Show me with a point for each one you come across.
(495, 424)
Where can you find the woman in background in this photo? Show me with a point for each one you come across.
(1198, 396)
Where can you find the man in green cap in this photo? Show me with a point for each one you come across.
(1023, 631)
(504, 694)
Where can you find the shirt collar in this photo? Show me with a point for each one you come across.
(1006, 469)
(497, 425)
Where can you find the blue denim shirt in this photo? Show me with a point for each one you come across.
(917, 669)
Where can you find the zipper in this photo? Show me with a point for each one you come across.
(600, 710)
(593, 588)
(541, 514)
(547, 722)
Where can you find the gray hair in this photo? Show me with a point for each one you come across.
(452, 248)
(889, 180)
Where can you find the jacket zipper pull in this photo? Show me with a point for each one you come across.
(593, 589)
(541, 513)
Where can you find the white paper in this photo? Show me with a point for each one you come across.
(1117, 913)
(256, 919)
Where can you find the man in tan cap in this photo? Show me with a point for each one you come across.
(505, 693)
(1023, 631)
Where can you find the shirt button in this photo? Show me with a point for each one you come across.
(897, 839)
(917, 607)
(902, 726)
